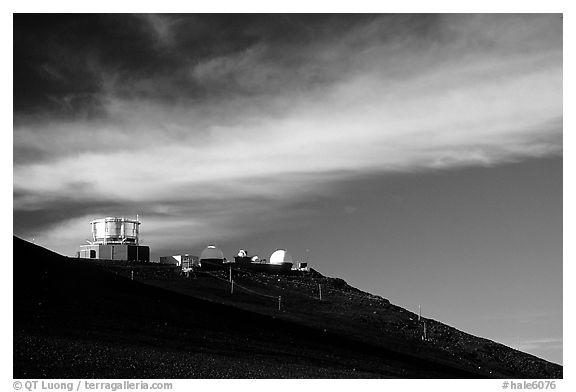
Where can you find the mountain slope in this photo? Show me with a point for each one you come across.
(77, 319)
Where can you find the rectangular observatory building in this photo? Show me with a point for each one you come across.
(136, 253)
(115, 239)
(184, 261)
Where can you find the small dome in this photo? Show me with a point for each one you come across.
(212, 253)
(242, 253)
(280, 257)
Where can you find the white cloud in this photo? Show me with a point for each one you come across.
(469, 123)
(488, 91)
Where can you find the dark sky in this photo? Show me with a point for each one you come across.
(419, 157)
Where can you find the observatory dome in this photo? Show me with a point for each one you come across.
(211, 253)
(280, 256)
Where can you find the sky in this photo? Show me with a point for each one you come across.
(418, 157)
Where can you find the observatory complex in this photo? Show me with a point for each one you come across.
(115, 239)
(212, 258)
(280, 262)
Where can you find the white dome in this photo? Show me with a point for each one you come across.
(280, 256)
(211, 253)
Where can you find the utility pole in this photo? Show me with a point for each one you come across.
(419, 313)
(320, 290)
(232, 287)
(137, 238)
(424, 335)
(230, 278)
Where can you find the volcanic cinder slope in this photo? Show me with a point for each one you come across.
(80, 319)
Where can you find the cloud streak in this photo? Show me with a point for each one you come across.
(263, 120)
(541, 344)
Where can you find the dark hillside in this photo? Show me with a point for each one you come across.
(76, 319)
(349, 312)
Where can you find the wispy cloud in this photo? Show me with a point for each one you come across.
(270, 120)
(540, 344)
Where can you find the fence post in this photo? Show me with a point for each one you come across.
(279, 302)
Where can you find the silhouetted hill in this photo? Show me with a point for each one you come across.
(79, 319)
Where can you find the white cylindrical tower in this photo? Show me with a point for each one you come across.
(113, 230)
